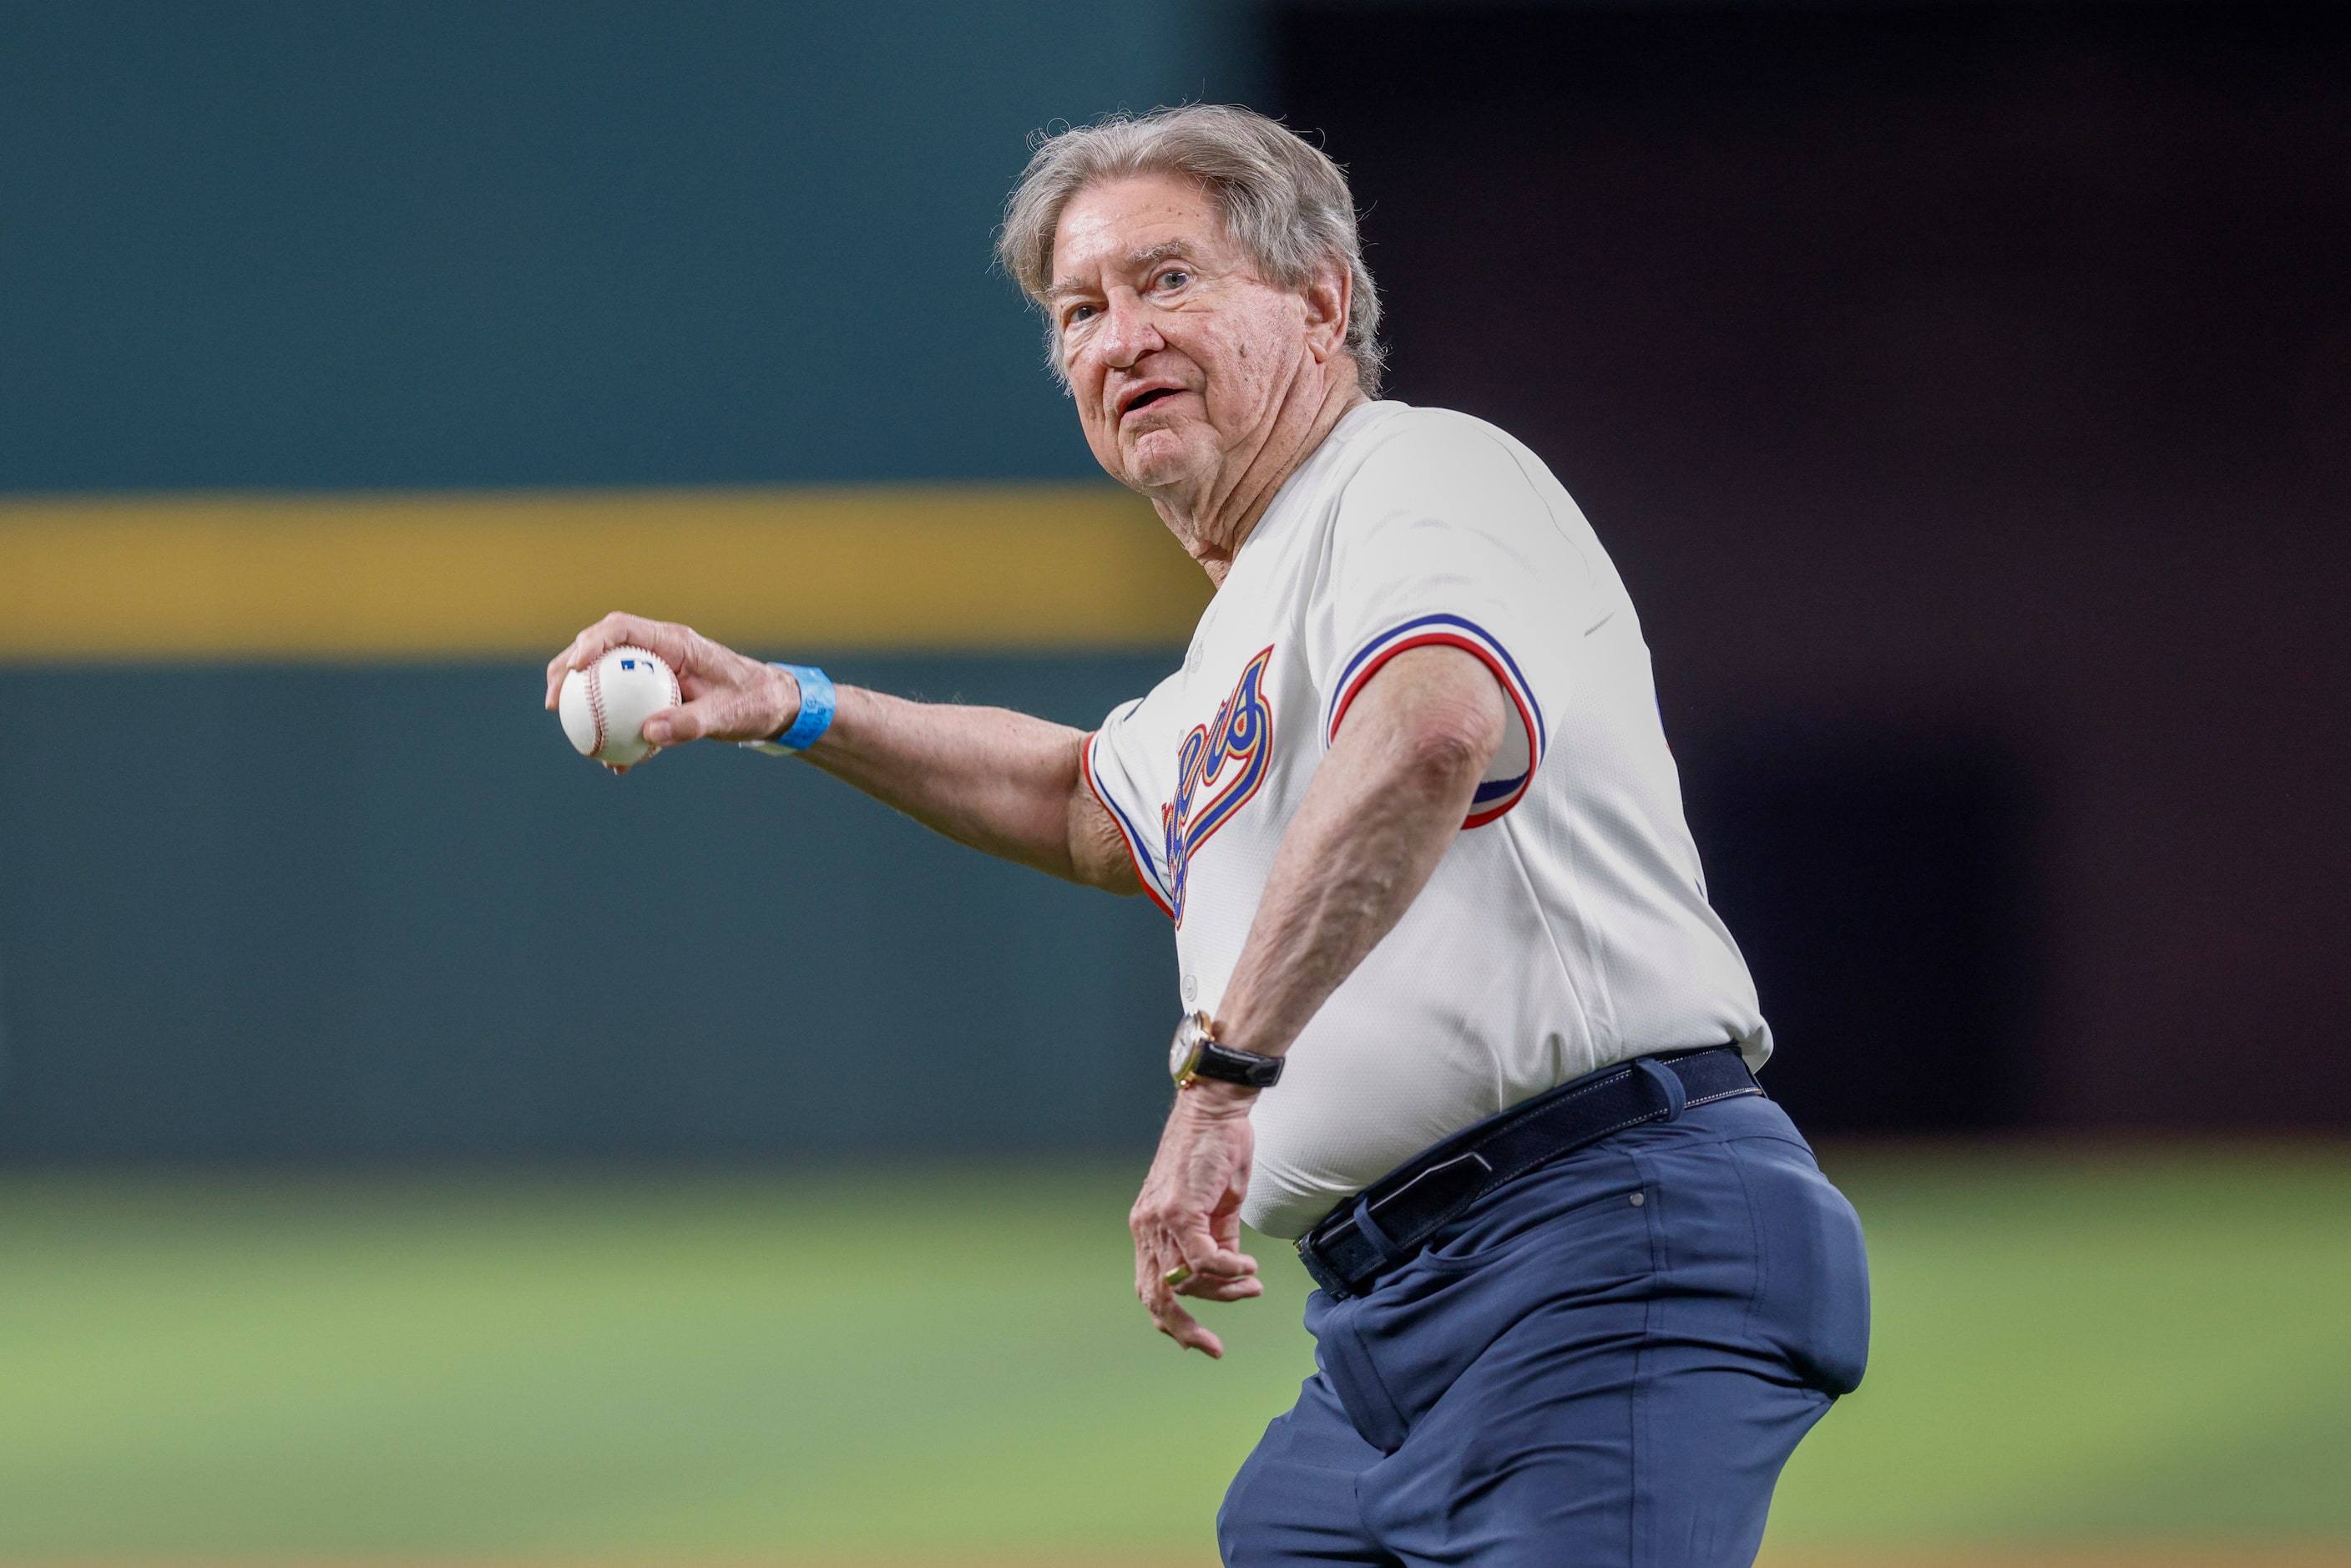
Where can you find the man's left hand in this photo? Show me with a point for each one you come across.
(1187, 1219)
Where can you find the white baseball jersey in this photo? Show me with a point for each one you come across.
(1567, 927)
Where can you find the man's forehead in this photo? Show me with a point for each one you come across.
(1131, 225)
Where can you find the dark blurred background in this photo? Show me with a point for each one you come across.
(1964, 392)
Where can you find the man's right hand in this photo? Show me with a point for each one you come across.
(728, 695)
(999, 782)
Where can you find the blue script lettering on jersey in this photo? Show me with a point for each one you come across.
(1242, 734)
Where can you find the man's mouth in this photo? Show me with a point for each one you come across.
(1143, 400)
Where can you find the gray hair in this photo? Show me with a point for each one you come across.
(1284, 202)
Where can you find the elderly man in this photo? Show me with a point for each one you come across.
(1458, 1015)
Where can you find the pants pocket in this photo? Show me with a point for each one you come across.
(1346, 1361)
(1812, 1303)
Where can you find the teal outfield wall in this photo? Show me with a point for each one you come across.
(523, 242)
(261, 912)
(277, 913)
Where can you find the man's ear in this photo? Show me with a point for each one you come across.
(1328, 295)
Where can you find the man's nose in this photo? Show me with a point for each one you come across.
(1128, 331)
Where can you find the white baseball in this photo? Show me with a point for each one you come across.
(604, 706)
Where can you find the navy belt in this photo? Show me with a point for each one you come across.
(1392, 1219)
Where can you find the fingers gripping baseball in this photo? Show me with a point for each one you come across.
(666, 638)
(728, 695)
(1186, 1221)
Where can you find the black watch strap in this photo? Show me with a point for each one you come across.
(1197, 1055)
(1226, 1065)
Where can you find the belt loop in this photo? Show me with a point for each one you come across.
(1666, 1080)
(1369, 1228)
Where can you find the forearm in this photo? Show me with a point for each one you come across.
(999, 782)
(1350, 866)
(1383, 808)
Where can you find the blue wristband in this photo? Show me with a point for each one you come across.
(816, 713)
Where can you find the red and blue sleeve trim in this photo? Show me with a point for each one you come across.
(1494, 796)
(1136, 852)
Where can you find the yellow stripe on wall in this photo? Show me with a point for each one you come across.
(498, 574)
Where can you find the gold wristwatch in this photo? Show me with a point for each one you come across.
(1197, 1055)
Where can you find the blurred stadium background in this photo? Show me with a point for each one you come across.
(415, 1147)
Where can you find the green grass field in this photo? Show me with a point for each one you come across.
(949, 1366)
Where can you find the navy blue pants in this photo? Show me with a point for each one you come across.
(1603, 1365)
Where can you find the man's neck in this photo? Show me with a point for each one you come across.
(1214, 523)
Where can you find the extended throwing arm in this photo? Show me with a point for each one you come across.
(998, 781)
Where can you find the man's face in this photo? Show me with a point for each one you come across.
(1177, 352)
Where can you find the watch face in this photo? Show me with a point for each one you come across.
(1185, 1054)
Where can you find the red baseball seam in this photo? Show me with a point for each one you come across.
(596, 703)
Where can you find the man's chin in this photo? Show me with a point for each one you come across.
(1162, 459)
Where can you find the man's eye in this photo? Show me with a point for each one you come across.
(1081, 313)
(1175, 278)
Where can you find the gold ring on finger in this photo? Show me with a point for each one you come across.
(1177, 1275)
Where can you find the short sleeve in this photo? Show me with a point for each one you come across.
(1117, 769)
(1444, 539)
